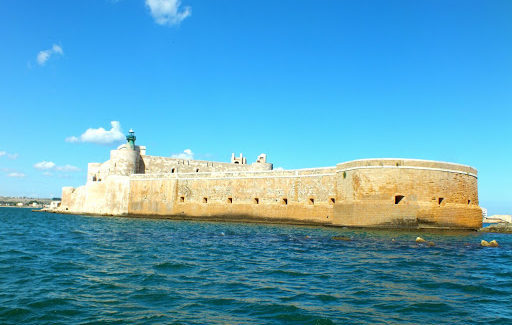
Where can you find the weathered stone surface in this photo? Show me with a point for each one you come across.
(389, 193)
(493, 243)
(498, 228)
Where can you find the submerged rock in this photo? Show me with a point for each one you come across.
(420, 240)
(431, 244)
(492, 243)
(341, 238)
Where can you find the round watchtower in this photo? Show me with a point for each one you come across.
(125, 160)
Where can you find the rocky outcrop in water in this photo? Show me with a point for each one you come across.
(505, 227)
(492, 243)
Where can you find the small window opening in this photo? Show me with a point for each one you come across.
(469, 202)
(205, 200)
(94, 178)
(182, 199)
(173, 170)
(236, 162)
(332, 200)
(344, 174)
(230, 200)
(398, 198)
(197, 170)
(285, 201)
(311, 201)
(256, 200)
(440, 200)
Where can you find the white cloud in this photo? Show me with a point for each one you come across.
(167, 12)
(57, 49)
(72, 139)
(100, 135)
(67, 168)
(45, 165)
(16, 174)
(50, 165)
(8, 155)
(45, 55)
(186, 154)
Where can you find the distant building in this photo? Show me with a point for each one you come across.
(503, 217)
(54, 204)
(19, 204)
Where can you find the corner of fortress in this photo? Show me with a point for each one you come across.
(382, 193)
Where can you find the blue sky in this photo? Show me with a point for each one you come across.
(310, 83)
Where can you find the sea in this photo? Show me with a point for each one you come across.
(73, 269)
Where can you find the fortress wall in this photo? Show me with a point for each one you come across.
(157, 165)
(433, 193)
(108, 197)
(372, 193)
(93, 169)
(152, 196)
(73, 199)
(252, 195)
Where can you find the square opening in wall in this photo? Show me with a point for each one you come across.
(285, 201)
(256, 200)
(440, 200)
(311, 201)
(182, 199)
(398, 198)
(205, 200)
(469, 202)
(332, 200)
(230, 200)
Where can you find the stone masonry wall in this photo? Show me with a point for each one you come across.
(278, 194)
(367, 193)
(387, 192)
(163, 165)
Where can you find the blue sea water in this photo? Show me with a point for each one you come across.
(69, 269)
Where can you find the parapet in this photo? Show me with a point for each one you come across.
(407, 163)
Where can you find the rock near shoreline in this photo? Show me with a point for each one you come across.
(505, 227)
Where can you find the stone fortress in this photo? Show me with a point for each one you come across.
(384, 193)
